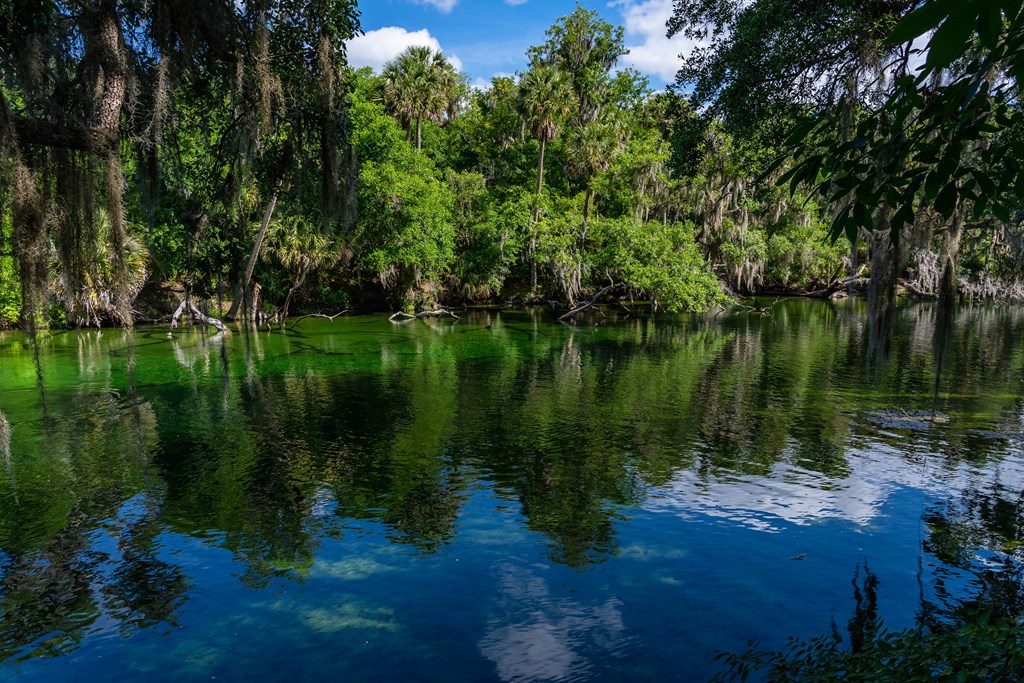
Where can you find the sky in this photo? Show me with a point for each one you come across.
(487, 38)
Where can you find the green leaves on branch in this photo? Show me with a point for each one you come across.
(944, 140)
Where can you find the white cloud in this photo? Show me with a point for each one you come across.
(650, 51)
(442, 6)
(376, 47)
(534, 635)
(515, 2)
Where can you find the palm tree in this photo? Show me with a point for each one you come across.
(301, 251)
(421, 84)
(590, 151)
(547, 100)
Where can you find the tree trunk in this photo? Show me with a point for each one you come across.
(583, 236)
(106, 38)
(536, 214)
(419, 134)
(945, 311)
(586, 214)
(540, 168)
(301, 278)
(258, 246)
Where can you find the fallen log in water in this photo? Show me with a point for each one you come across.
(441, 312)
(315, 315)
(589, 304)
(193, 310)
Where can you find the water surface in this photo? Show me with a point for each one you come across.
(439, 500)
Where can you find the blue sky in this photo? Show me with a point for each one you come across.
(490, 37)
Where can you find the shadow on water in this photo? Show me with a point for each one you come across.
(279, 448)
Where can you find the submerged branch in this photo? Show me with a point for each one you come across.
(589, 304)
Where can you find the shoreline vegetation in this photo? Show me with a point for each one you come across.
(259, 176)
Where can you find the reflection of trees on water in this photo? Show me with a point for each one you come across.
(235, 441)
(977, 542)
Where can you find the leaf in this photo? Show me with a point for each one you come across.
(861, 215)
(951, 39)
(946, 201)
(1012, 8)
(774, 165)
(1000, 211)
(922, 20)
(852, 231)
(932, 185)
(990, 23)
(799, 131)
(905, 216)
(987, 185)
(841, 221)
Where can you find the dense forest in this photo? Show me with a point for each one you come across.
(224, 153)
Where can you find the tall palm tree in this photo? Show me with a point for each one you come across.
(547, 100)
(421, 84)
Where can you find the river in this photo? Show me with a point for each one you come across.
(498, 498)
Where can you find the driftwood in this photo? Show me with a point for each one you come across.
(441, 312)
(193, 310)
(589, 304)
(760, 310)
(838, 285)
(315, 315)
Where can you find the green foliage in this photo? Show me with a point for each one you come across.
(946, 144)
(406, 230)
(547, 183)
(490, 248)
(768, 59)
(586, 47)
(420, 85)
(10, 292)
(661, 262)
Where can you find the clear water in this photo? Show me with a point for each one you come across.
(439, 501)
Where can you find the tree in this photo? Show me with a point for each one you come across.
(591, 149)
(89, 85)
(769, 59)
(301, 251)
(940, 151)
(586, 47)
(421, 84)
(547, 100)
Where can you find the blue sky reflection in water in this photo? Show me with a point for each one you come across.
(436, 501)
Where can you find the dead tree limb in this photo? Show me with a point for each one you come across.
(196, 314)
(439, 313)
(837, 285)
(589, 304)
(315, 315)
